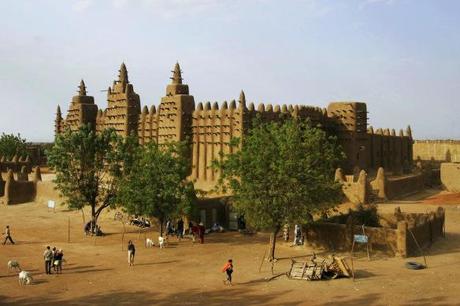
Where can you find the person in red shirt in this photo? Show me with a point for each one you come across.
(201, 230)
(228, 269)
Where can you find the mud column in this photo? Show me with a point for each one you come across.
(401, 233)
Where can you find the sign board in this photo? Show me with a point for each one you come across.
(360, 238)
(51, 204)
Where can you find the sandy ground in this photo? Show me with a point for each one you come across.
(96, 271)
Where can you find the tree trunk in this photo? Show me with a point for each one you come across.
(161, 227)
(93, 218)
(271, 253)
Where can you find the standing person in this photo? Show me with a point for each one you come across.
(228, 269)
(201, 230)
(131, 253)
(168, 227)
(180, 228)
(48, 256)
(57, 261)
(7, 235)
(190, 228)
(54, 251)
(286, 232)
(298, 235)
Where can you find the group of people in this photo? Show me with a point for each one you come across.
(91, 228)
(179, 231)
(298, 237)
(53, 259)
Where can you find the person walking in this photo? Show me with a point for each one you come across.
(180, 229)
(48, 256)
(131, 253)
(228, 269)
(7, 235)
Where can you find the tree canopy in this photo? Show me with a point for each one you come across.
(282, 173)
(89, 167)
(156, 185)
(11, 145)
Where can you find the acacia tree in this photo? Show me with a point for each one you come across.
(11, 145)
(156, 185)
(89, 166)
(282, 172)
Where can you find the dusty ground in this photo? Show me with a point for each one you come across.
(97, 273)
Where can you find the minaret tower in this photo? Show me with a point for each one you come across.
(82, 110)
(124, 106)
(58, 122)
(175, 110)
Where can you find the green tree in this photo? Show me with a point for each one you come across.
(11, 145)
(157, 186)
(283, 172)
(89, 167)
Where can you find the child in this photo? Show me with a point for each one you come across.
(228, 268)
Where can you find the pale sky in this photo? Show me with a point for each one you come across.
(401, 57)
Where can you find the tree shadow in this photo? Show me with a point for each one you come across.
(228, 296)
(38, 281)
(439, 300)
(155, 263)
(371, 299)
(363, 274)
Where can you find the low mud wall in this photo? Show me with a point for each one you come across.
(339, 237)
(397, 240)
(425, 228)
(21, 190)
(400, 186)
(450, 176)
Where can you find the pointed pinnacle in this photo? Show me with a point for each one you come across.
(177, 74)
(82, 88)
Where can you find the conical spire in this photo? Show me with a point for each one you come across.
(177, 74)
(409, 131)
(242, 100)
(123, 76)
(58, 112)
(82, 88)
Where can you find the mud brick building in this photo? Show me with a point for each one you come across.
(209, 127)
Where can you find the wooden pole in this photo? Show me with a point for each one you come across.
(262, 262)
(83, 217)
(367, 244)
(123, 236)
(68, 230)
(418, 245)
(351, 257)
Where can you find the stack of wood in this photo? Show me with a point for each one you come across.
(319, 268)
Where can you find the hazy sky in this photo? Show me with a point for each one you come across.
(401, 57)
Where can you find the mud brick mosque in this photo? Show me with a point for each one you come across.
(210, 126)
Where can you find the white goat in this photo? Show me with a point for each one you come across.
(149, 243)
(13, 264)
(25, 278)
(162, 242)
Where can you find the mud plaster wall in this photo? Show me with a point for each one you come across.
(438, 150)
(19, 192)
(425, 227)
(210, 126)
(450, 176)
(339, 237)
(401, 186)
